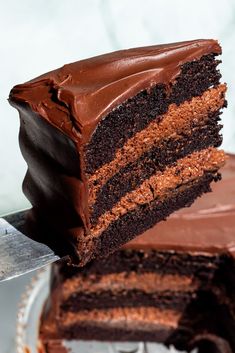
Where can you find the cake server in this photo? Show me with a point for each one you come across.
(18, 253)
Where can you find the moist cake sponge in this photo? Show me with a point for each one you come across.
(116, 143)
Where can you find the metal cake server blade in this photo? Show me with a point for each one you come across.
(18, 253)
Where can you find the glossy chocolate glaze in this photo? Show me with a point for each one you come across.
(208, 226)
(75, 97)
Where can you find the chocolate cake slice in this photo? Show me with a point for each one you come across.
(116, 143)
(173, 284)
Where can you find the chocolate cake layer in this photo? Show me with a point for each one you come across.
(163, 299)
(147, 260)
(93, 109)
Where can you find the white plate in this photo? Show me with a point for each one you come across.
(29, 317)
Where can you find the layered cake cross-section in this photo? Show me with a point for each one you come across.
(116, 143)
(174, 284)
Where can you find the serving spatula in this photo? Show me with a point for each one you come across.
(18, 253)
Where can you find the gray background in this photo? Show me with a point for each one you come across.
(37, 36)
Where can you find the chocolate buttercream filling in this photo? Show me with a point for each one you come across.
(146, 282)
(142, 318)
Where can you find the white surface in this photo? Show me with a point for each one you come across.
(37, 36)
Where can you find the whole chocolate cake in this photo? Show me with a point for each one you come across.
(116, 143)
(173, 284)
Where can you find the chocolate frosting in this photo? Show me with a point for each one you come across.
(208, 226)
(75, 97)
